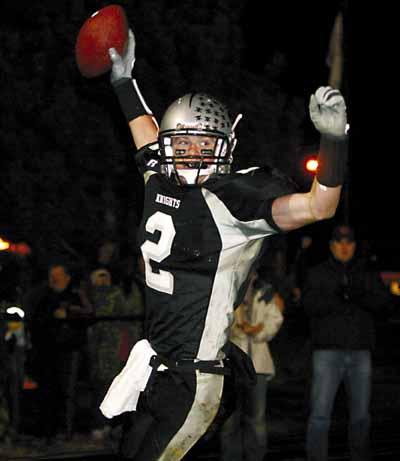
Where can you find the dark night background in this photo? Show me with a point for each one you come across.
(67, 171)
(68, 176)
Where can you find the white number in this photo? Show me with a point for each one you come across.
(162, 281)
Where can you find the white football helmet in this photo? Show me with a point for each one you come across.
(196, 114)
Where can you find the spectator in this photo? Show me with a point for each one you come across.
(257, 320)
(4, 407)
(133, 288)
(301, 265)
(108, 256)
(341, 296)
(111, 338)
(14, 365)
(133, 285)
(58, 343)
(295, 336)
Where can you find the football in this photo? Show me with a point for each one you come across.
(106, 28)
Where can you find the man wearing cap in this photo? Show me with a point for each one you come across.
(341, 297)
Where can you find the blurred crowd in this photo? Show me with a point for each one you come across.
(68, 333)
(65, 336)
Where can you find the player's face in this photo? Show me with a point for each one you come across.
(343, 250)
(189, 150)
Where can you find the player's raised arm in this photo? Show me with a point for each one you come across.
(328, 113)
(141, 121)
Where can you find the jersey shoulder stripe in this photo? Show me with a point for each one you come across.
(249, 194)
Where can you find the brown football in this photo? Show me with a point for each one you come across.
(106, 28)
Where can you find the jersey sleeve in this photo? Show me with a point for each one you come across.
(249, 194)
(148, 159)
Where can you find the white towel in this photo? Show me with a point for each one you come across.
(123, 394)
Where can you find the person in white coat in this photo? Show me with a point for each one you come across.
(257, 321)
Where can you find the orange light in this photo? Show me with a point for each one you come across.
(22, 248)
(29, 383)
(312, 165)
(4, 245)
(395, 287)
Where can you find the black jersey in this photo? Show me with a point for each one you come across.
(199, 244)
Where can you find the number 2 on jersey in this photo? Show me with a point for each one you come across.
(163, 280)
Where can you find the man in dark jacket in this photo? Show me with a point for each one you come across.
(58, 332)
(341, 297)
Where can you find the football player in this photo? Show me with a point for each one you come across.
(202, 232)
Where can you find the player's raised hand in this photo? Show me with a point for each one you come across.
(122, 65)
(328, 111)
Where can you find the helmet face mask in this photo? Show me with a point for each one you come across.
(196, 139)
(191, 156)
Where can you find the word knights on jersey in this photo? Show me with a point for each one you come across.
(169, 201)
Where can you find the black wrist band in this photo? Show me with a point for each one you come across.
(130, 99)
(332, 160)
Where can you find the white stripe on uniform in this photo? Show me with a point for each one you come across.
(241, 244)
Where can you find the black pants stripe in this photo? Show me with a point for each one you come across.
(172, 415)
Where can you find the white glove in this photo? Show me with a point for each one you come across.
(328, 111)
(123, 65)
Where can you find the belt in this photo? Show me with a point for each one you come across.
(188, 366)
